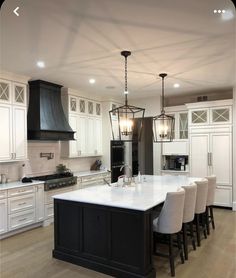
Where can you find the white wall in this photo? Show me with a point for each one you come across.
(152, 106)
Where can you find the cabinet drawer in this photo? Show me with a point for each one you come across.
(223, 196)
(21, 219)
(21, 191)
(49, 211)
(175, 148)
(3, 194)
(20, 203)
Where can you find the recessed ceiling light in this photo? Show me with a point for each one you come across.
(92, 80)
(176, 85)
(41, 64)
(227, 15)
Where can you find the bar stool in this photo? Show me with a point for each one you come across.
(200, 209)
(188, 216)
(169, 223)
(210, 202)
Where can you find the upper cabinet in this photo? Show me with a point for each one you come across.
(181, 121)
(13, 112)
(85, 118)
(210, 113)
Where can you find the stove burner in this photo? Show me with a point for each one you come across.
(56, 181)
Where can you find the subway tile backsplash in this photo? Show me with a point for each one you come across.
(36, 165)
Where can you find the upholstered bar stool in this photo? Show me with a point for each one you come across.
(188, 216)
(169, 223)
(210, 202)
(200, 208)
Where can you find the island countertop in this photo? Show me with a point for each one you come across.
(150, 193)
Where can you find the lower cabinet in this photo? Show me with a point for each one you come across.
(3, 216)
(97, 179)
(21, 219)
(223, 196)
(21, 207)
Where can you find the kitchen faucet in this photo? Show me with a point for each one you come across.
(130, 174)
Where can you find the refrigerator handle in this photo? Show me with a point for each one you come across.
(208, 159)
(211, 158)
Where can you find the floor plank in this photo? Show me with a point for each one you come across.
(29, 255)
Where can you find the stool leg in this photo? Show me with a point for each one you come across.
(198, 230)
(212, 217)
(207, 221)
(185, 241)
(192, 236)
(203, 224)
(180, 247)
(171, 256)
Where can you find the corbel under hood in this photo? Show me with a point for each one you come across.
(46, 119)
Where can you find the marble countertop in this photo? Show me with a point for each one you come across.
(16, 184)
(174, 171)
(88, 173)
(149, 194)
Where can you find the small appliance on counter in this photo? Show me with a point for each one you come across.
(175, 162)
(96, 166)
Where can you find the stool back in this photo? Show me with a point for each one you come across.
(171, 216)
(189, 202)
(202, 189)
(211, 190)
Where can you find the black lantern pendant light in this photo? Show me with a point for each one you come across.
(163, 125)
(126, 120)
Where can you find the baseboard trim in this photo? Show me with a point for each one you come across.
(234, 206)
(21, 230)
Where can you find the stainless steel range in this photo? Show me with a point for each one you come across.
(56, 181)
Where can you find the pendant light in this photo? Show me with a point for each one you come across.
(127, 120)
(163, 125)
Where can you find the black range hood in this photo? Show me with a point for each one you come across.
(46, 119)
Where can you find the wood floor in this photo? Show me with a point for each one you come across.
(29, 255)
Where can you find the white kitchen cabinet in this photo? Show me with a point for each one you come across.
(20, 203)
(177, 147)
(13, 139)
(19, 132)
(211, 154)
(210, 113)
(199, 154)
(21, 219)
(6, 132)
(85, 119)
(98, 136)
(39, 202)
(3, 216)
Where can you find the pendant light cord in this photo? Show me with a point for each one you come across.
(126, 81)
(163, 101)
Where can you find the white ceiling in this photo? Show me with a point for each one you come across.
(82, 39)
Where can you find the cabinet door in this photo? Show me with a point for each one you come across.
(199, 117)
(19, 132)
(39, 202)
(3, 216)
(6, 132)
(199, 155)
(221, 115)
(73, 143)
(91, 136)
(73, 104)
(183, 125)
(221, 157)
(19, 94)
(5, 91)
(98, 136)
(82, 130)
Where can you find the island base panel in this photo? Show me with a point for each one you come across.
(114, 241)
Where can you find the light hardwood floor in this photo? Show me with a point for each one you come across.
(29, 255)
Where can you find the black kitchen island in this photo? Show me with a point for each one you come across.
(109, 229)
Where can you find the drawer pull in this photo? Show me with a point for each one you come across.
(23, 219)
(21, 204)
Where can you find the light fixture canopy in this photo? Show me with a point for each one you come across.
(163, 125)
(126, 120)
